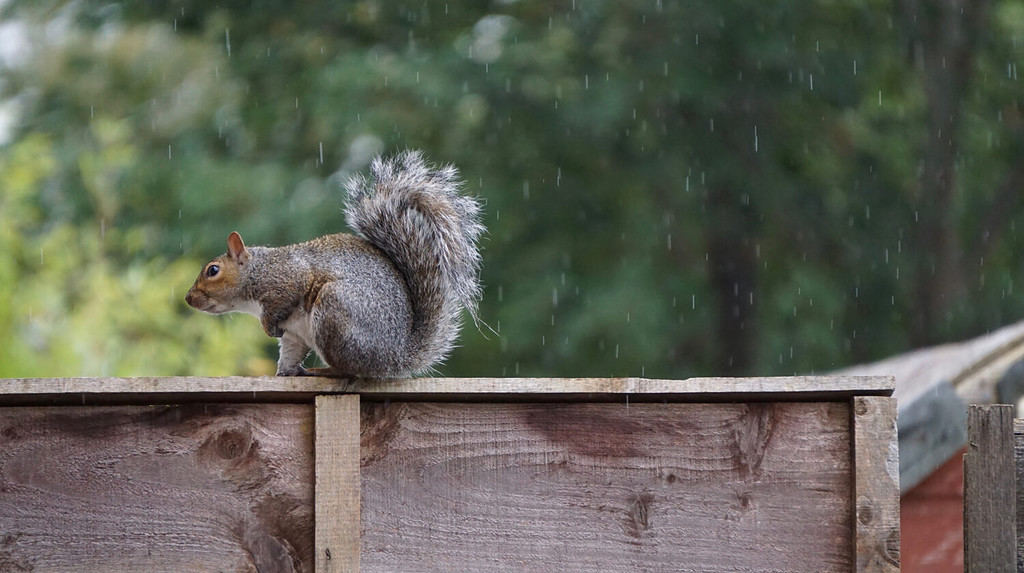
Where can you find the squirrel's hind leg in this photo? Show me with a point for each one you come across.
(293, 352)
(358, 332)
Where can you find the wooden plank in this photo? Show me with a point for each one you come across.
(606, 487)
(876, 494)
(337, 483)
(989, 491)
(141, 488)
(638, 389)
(180, 389)
(1018, 457)
(164, 390)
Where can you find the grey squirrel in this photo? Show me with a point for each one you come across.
(384, 302)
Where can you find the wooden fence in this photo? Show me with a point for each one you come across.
(313, 474)
(994, 490)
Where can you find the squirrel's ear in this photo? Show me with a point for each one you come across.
(236, 248)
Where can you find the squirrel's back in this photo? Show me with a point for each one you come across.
(415, 214)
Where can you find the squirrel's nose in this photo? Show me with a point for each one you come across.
(188, 298)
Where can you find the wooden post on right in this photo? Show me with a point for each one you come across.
(990, 507)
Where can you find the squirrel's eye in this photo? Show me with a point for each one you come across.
(212, 270)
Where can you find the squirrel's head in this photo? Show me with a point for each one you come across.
(218, 287)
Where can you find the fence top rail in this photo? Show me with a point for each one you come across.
(177, 389)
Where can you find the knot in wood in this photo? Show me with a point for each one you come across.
(892, 547)
(232, 444)
(865, 513)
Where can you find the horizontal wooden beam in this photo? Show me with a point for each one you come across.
(180, 389)
(816, 388)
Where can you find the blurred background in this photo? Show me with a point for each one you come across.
(672, 188)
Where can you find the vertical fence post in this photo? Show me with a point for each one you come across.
(990, 491)
(337, 484)
(1018, 455)
(876, 487)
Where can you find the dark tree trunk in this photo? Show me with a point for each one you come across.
(943, 36)
(733, 276)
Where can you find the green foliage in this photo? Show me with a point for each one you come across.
(662, 178)
(71, 308)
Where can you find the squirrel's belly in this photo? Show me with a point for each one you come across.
(300, 325)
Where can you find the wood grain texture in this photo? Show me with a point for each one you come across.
(606, 487)
(181, 389)
(156, 488)
(876, 494)
(1018, 459)
(613, 389)
(990, 499)
(337, 483)
(165, 390)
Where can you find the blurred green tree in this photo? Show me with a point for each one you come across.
(672, 188)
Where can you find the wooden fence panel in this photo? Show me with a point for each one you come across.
(157, 488)
(606, 487)
(989, 491)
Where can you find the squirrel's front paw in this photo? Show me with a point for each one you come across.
(296, 370)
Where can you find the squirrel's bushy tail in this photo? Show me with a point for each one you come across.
(416, 215)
